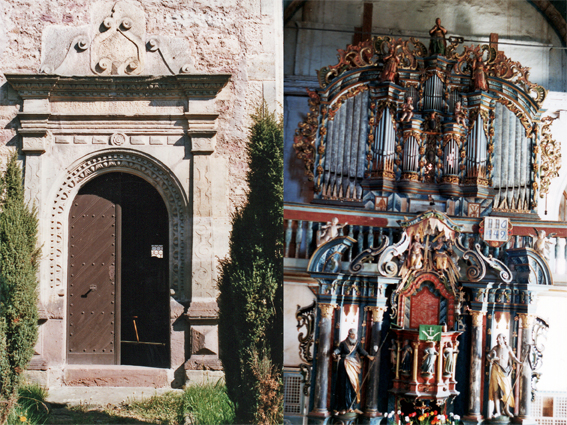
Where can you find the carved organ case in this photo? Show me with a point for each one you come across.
(432, 143)
(390, 121)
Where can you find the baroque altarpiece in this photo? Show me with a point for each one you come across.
(434, 160)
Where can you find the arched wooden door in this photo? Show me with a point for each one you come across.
(118, 292)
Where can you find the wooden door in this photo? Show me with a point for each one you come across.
(94, 276)
(118, 292)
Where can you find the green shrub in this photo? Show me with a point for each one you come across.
(18, 286)
(31, 408)
(208, 404)
(250, 283)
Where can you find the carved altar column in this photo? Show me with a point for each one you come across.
(320, 407)
(415, 346)
(525, 376)
(374, 367)
(474, 414)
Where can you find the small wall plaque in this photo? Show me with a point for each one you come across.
(495, 231)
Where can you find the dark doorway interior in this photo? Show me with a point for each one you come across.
(141, 327)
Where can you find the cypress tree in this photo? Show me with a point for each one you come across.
(18, 285)
(251, 283)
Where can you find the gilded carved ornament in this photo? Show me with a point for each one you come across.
(526, 320)
(327, 310)
(370, 53)
(377, 313)
(305, 134)
(477, 318)
(496, 64)
(550, 156)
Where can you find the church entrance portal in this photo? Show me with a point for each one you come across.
(118, 292)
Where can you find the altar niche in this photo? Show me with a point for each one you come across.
(118, 292)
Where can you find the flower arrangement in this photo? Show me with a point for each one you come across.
(425, 418)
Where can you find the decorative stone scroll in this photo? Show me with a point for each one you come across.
(123, 160)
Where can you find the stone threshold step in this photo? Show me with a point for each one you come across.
(116, 376)
(101, 396)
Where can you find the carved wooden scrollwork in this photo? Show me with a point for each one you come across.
(304, 139)
(367, 255)
(550, 150)
(386, 266)
(306, 318)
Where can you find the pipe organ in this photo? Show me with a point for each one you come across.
(455, 140)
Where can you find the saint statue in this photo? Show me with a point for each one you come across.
(405, 358)
(449, 360)
(391, 62)
(430, 354)
(500, 386)
(415, 258)
(348, 386)
(479, 73)
(438, 43)
(393, 354)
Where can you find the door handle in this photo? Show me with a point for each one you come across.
(91, 289)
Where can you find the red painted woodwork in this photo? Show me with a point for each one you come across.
(415, 285)
(424, 309)
(343, 218)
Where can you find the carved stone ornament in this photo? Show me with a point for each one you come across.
(114, 43)
(118, 139)
(327, 310)
(477, 318)
(118, 48)
(125, 160)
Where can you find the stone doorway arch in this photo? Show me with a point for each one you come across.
(127, 161)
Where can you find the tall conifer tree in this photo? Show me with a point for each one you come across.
(18, 285)
(251, 283)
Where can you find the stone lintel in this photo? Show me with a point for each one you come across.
(54, 87)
